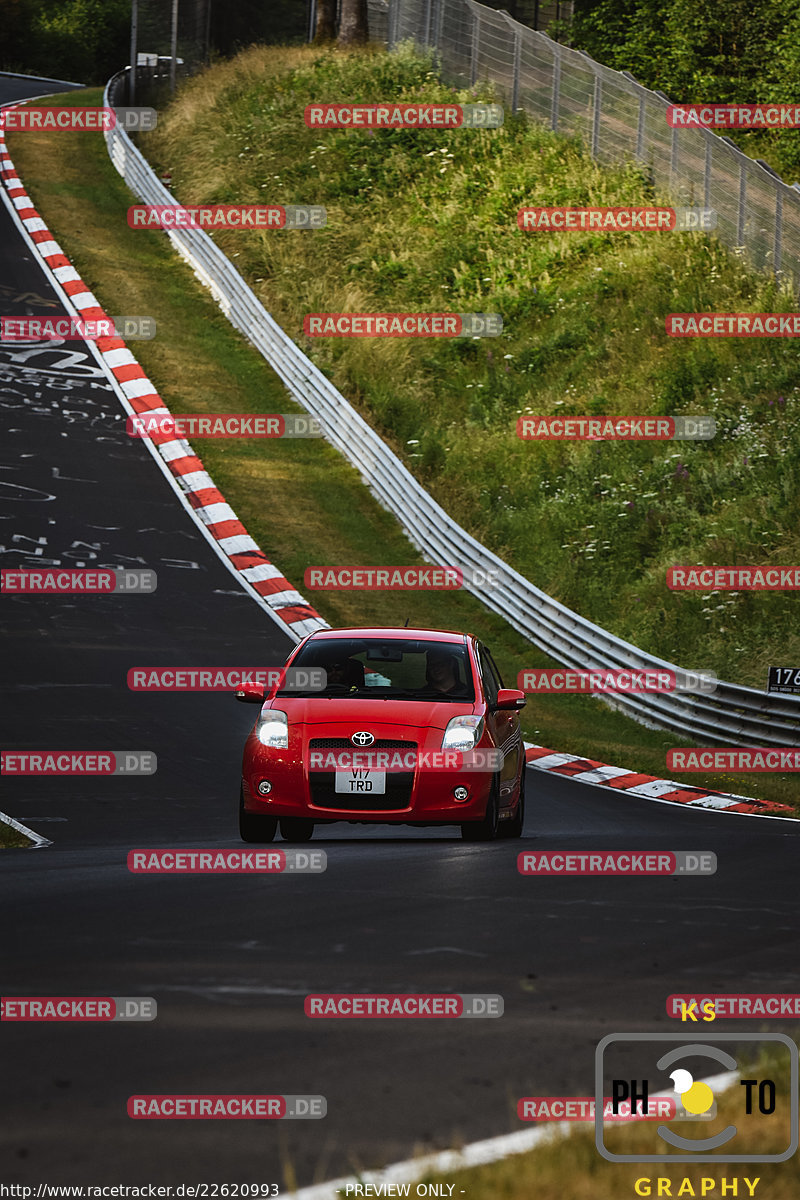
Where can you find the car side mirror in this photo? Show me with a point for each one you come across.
(251, 693)
(510, 698)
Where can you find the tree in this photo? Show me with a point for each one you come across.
(353, 24)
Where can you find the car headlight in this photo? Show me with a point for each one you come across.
(272, 729)
(463, 733)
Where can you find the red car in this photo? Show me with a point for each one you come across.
(411, 727)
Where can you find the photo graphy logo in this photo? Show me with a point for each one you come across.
(662, 1057)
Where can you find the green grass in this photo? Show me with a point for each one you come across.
(427, 221)
(299, 499)
(572, 1167)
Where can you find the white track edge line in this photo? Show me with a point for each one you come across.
(474, 1154)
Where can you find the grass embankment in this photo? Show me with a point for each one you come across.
(426, 221)
(572, 1168)
(299, 499)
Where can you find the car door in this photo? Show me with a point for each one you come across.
(503, 725)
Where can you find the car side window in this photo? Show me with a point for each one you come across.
(497, 676)
(489, 676)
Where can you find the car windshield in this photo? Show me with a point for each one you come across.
(397, 669)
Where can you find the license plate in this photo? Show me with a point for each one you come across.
(361, 783)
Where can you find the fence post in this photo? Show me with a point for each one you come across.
(438, 22)
(554, 103)
(427, 22)
(777, 249)
(516, 29)
(476, 33)
(707, 172)
(598, 104)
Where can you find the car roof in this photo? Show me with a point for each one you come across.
(391, 631)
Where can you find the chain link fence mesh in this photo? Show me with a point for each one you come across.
(758, 214)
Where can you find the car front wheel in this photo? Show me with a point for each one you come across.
(253, 827)
(514, 827)
(296, 829)
(485, 830)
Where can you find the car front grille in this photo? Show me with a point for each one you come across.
(399, 784)
(397, 795)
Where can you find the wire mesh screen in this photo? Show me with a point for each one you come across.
(616, 118)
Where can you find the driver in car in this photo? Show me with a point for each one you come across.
(347, 673)
(442, 673)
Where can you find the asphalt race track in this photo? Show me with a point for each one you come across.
(230, 958)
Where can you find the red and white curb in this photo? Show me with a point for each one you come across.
(620, 779)
(205, 503)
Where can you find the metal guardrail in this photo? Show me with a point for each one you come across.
(616, 117)
(732, 715)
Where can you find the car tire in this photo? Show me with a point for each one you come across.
(514, 827)
(296, 829)
(485, 830)
(253, 827)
